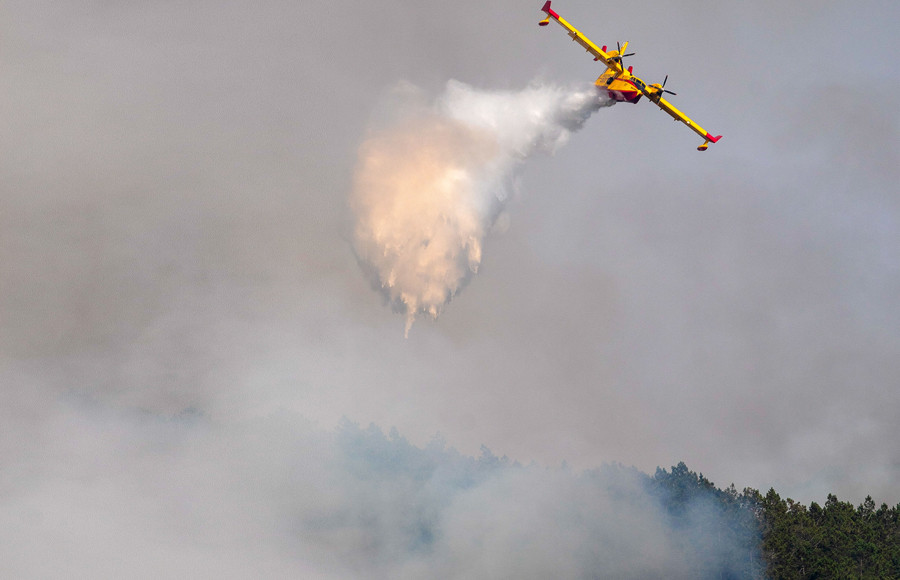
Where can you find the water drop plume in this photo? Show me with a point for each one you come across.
(430, 184)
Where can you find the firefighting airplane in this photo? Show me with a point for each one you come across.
(623, 86)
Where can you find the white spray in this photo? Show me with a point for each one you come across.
(428, 189)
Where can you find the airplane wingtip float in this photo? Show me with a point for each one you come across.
(620, 84)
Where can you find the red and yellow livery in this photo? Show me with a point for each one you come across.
(620, 84)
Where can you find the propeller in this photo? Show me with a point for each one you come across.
(621, 56)
(663, 89)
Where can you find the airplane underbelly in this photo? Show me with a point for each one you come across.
(624, 95)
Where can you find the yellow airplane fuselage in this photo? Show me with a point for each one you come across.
(621, 87)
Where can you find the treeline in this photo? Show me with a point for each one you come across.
(780, 538)
(831, 541)
(406, 504)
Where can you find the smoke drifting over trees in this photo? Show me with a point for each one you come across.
(127, 494)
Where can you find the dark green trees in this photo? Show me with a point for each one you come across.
(723, 526)
(794, 541)
(834, 541)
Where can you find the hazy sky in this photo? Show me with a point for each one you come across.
(175, 234)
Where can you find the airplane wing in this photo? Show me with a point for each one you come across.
(679, 116)
(581, 39)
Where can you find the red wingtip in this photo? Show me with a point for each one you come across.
(713, 139)
(546, 8)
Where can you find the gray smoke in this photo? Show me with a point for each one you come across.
(102, 492)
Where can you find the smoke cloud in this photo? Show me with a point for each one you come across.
(429, 187)
(107, 492)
